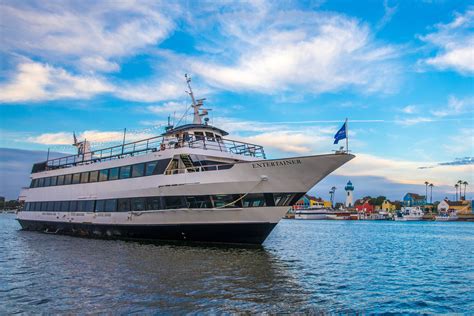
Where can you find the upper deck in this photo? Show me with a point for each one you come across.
(154, 144)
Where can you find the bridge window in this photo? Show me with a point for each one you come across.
(199, 135)
(138, 170)
(223, 200)
(114, 173)
(54, 180)
(210, 136)
(33, 183)
(41, 182)
(202, 201)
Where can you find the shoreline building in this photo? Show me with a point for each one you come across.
(349, 194)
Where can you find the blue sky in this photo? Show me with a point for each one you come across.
(284, 74)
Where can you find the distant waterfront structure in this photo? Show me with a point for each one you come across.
(349, 194)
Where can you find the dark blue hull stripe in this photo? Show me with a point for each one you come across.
(242, 233)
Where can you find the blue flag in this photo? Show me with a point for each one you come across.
(341, 134)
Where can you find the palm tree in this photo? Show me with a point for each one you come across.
(332, 192)
(460, 186)
(431, 185)
(426, 191)
(456, 186)
(465, 183)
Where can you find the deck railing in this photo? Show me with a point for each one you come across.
(146, 146)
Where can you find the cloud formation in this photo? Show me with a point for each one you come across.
(454, 44)
(314, 52)
(91, 35)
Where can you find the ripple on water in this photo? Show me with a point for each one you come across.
(303, 267)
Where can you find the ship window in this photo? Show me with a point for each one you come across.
(254, 200)
(44, 206)
(103, 175)
(269, 201)
(199, 135)
(99, 205)
(203, 201)
(138, 204)
(74, 206)
(27, 206)
(47, 182)
(76, 178)
(93, 176)
(88, 206)
(172, 202)
(223, 200)
(138, 170)
(54, 180)
(210, 136)
(50, 206)
(64, 206)
(33, 206)
(125, 172)
(60, 180)
(150, 167)
(123, 205)
(110, 205)
(68, 179)
(84, 177)
(33, 183)
(153, 203)
(57, 206)
(219, 139)
(113, 173)
(41, 182)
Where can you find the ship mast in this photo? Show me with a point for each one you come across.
(196, 103)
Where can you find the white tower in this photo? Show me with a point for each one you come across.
(349, 199)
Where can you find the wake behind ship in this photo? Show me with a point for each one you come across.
(188, 184)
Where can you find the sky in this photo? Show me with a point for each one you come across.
(283, 74)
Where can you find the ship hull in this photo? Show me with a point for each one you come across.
(230, 233)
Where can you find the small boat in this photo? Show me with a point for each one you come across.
(449, 216)
(318, 212)
(411, 213)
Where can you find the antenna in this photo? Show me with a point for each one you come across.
(196, 105)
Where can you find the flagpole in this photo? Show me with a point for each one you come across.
(347, 138)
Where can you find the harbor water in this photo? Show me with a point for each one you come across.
(304, 266)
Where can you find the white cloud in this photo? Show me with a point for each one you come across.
(409, 109)
(413, 120)
(456, 106)
(93, 136)
(454, 44)
(388, 14)
(314, 52)
(38, 82)
(88, 34)
(403, 171)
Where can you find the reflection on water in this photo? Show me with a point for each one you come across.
(306, 266)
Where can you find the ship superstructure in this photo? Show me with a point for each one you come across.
(190, 183)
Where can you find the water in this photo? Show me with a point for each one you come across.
(304, 266)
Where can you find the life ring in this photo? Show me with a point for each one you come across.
(162, 147)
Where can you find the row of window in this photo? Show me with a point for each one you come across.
(123, 172)
(168, 202)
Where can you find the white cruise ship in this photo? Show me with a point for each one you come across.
(188, 184)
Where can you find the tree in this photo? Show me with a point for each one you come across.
(431, 194)
(426, 190)
(460, 186)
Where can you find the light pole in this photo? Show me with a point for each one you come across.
(431, 194)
